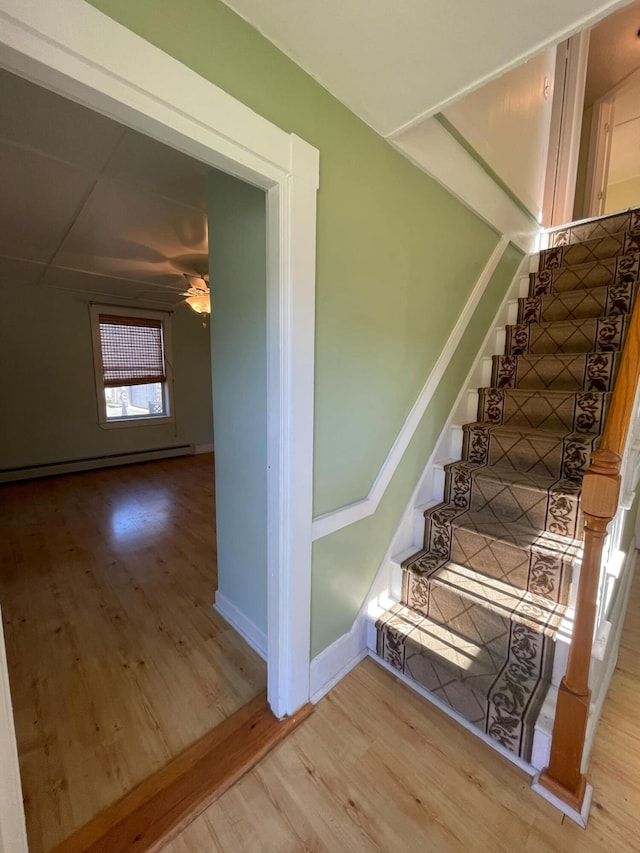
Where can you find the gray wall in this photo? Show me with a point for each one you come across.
(47, 382)
(237, 263)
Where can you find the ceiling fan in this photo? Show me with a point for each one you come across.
(198, 295)
(195, 268)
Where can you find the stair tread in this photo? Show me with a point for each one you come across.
(537, 481)
(589, 251)
(469, 661)
(523, 536)
(580, 231)
(503, 598)
(483, 603)
(546, 392)
(524, 432)
(570, 323)
(577, 294)
(567, 357)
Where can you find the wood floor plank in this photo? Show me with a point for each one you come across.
(117, 660)
(164, 804)
(377, 768)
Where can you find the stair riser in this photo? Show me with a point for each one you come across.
(589, 372)
(554, 510)
(539, 571)
(528, 454)
(586, 336)
(615, 271)
(589, 251)
(484, 626)
(628, 221)
(578, 305)
(580, 412)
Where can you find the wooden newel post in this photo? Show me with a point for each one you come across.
(563, 776)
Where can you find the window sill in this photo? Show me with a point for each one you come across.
(136, 422)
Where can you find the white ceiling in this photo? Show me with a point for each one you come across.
(89, 205)
(394, 63)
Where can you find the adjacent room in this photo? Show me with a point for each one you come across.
(117, 659)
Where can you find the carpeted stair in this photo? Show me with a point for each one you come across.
(482, 602)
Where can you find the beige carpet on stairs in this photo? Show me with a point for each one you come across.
(483, 600)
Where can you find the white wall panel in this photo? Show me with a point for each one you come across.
(507, 123)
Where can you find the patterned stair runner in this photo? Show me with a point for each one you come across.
(482, 602)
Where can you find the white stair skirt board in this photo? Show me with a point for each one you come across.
(72, 466)
(247, 629)
(330, 522)
(580, 817)
(338, 659)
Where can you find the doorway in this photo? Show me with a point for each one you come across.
(158, 96)
(598, 124)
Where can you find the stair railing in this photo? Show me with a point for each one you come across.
(599, 502)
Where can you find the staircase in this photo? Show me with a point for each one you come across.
(483, 601)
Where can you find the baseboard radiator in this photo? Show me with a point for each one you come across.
(10, 475)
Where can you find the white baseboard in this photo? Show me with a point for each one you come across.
(72, 466)
(204, 448)
(247, 629)
(338, 659)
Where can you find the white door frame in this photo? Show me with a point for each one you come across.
(566, 127)
(71, 48)
(597, 176)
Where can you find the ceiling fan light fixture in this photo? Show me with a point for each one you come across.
(200, 302)
(198, 295)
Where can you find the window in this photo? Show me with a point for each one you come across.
(132, 364)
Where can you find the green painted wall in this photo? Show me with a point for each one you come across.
(237, 267)
(49, 411)
(362, 546)
(397, 259)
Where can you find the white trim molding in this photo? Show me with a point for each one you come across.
(328, 523)
(76, 51)
(431, 148)
(247, 629)
(338, 659)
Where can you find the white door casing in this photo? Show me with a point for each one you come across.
(74, 50)
(599, 156)
(566, 127)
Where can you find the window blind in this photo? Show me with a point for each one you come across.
(132, 351)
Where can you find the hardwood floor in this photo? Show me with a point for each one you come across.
(117, 661)
(376, 768)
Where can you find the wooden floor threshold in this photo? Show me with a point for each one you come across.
(158, 809)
